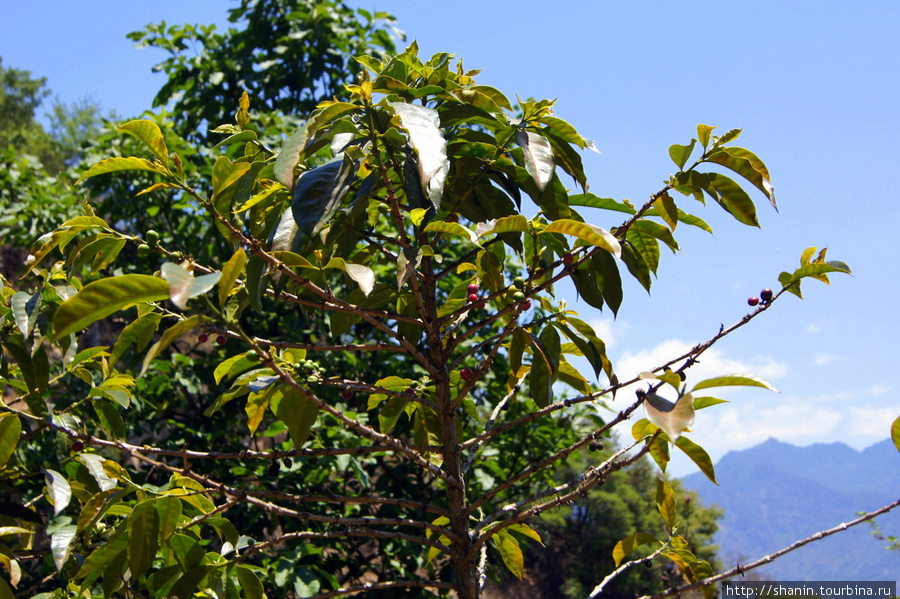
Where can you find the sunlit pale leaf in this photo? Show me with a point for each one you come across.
(101, 298)
(61, 545)
(422, 124)
(672, 417)
(230, 274)
(183, 285)
(510, 552)
(94, 465)
(538, 156)
(895, 433)
(60, 491)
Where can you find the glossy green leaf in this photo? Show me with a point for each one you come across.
(318, 194)
(101, 298)
(680, 154)
(422, 124)
(150, 135)
(667, 210)
(439, 226)
(138, 333)
(183, 285)
(732, 198)
(629, 544)
(61, 545)
(819, 270)
(705, 402)
(588, 233)
(171, 334)
(672, 417)
(59, 490)
(226, 173)
(96, 506)
(117, 164)
(232, 270)
(187, 584)
(251, 587)
(538, 156)
(10, 429)
(591, 201)
(656, 230)
(144, 538)
(748, 165)
(699, 456)
(110, 419)
(289, 156)
(636, 264)
(646, 245)
(734, 380)
(297, 412)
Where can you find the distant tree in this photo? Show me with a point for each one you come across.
(375, 316)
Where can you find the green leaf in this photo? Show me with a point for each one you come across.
(732, 198)
(667, 210)
(25, 309)
(734, 380)
(251, 587)
(289, 156)
(680, 154)
(226, 173)
(168, 511)
(144, 537)
(748, 165)
(629, 544)
(59, 490)
(114, 165)
(895, 433)
(439, 226)
(517, 223)
(665, 503)
(818, 270)
(61, 545)
(588, 233)
(101, 298)
(510, 552)
(138, 332)
(699, 456)
(538, 156)
(150, 135)
(230, 274)
(422, 124)
(94, 465)
(10, 429)
(318, 195)
(636, 264)
(705, 402)
(591, 201)
(183, 285)
(703, 132)
(173, 333)
(363, 275)
(297, 412)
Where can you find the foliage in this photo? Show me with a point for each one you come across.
(288, 54)
(394, 395)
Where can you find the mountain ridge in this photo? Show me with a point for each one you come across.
(776, 493)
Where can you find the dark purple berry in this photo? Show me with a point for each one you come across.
(753, 301)
(78, 446)
(766, 295)
(467, 374)
(221, 339)
(202, 337)
(473, 288)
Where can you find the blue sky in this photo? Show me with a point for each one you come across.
(813, 85)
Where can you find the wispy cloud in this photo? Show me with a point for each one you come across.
(824, 358)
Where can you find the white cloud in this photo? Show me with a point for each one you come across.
(606, 331)
(813, 328)
(876, 390)
(871, 422)
(712, 363)
(825, 358)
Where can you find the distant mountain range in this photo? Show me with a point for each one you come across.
(775, 493)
